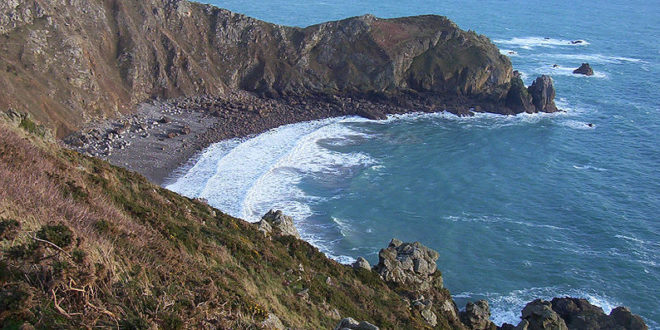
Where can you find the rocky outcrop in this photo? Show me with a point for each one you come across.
(409, 264)
(351, 324)
(575, 313)
(67, 64)
(276, 220)
(477, 316)
(542, 91)
(361, 263)
(584, 69)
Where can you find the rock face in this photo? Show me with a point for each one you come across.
(542, 91)
(67, 64)
(409, 264)
(277, 220)
(575, 313)
(584, 69)
(477, 316)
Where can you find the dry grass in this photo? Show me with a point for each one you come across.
(142, 256)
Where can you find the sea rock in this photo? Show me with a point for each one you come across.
(351, 324)
(361, 263)
(539, 315)
(409, 264)
(584, 69)
(580, 314)
(276, 219)
(518, 97)
(542, 91)
(477, 316)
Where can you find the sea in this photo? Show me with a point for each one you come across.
(518, 207)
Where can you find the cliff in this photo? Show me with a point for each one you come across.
(68, 62)
(84, 244)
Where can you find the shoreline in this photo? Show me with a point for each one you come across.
(161, 137)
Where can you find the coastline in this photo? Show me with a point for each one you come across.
(161, 137)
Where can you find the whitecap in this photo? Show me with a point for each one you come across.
(589, 167)
(576, 124)
(506, 307)
(566, 71)
(590, 58)
(531, 42)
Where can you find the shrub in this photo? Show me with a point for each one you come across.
(9, 229)
(59, 235)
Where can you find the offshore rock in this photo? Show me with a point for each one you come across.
(477, 316)
(576, 313)
(277, 220)
(410, 264)
(584, 69)
(542, 91)
(580, 314)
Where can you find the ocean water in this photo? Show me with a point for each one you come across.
(532, 206)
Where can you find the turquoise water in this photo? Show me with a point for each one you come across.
(518, 207)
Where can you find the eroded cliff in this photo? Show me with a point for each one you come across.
(67, 62)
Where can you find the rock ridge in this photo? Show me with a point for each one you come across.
(67, 65)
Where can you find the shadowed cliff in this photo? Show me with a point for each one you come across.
(67, 63)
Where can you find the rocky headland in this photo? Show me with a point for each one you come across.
(147, 83)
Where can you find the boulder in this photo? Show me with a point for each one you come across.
(277, 219)
(539, 315)
(624, 318)
(477, 316)
(361, 263)
(351, 324)
(584, 69)
(542, 91)
(409, 264)
(581, 314)
(272, 322)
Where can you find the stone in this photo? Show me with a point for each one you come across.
(409, 264)
(361, 263)
(351, 324)
(272, 322)
(542, 91)
(276, 219)
(429, 317)
(477, 316)
(584, 69)
(540, 315)
(623, 317)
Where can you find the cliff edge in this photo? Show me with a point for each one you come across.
(67, 64)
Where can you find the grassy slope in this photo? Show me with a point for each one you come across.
(135, 255)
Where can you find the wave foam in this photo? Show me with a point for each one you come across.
(506, 308)
(532, 42)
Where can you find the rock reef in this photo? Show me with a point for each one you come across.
(584, 69)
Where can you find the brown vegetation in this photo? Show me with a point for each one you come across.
(83, 243)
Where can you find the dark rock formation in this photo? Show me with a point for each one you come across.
(576, 313)
(584, 69)
(477, 316)
(542, 91)
(276, 219)
(69, 64)
(518, 97)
